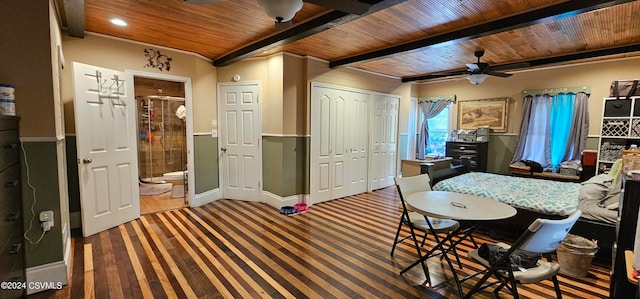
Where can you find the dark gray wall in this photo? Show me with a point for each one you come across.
(43, 176)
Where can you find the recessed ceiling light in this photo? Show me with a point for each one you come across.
(118, 22)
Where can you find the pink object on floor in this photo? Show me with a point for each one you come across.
(301, 207)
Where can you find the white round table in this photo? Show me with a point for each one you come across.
(458, 206)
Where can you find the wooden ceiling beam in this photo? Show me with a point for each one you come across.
(546, 14)
(552, 60)
(310, 27)
(74, 14)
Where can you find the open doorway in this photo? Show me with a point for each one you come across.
(162, 144)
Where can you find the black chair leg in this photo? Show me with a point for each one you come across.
(514, 288)
(497, 289)
(395, 242)
(455, 252)
(424, 239)
(556, 285)
(425, 269)
(475, 245)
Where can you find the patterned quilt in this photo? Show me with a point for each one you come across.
(542, 196)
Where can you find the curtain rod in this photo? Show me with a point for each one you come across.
(557, 90)
(451, 98)
(169, 98)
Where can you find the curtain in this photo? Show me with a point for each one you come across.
(553, 129)
(537, 147)
(562, 106)
(534, 130)
(428, 109)
(521, 139)
(579, 128)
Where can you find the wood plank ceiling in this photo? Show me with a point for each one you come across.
(405, 39)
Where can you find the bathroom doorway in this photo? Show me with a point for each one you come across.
(162, 144)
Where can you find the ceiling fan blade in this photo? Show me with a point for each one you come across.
(510, 66)
(202, 1)
(434, 76)
(448, 74)
(498, 74)
(352, 7)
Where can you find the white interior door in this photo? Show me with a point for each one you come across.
(339, 142)
(320, 177)
(391, 135)
(328, 145)
(338, 148)
(106, 143)
(240, 134)
(359, 142)
(384, 140)
(377, 125)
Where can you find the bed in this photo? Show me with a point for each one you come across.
(540, 196)
(534, 198)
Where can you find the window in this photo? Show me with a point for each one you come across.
(438, 132)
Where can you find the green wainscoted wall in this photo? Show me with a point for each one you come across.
(285, 165)
(205, 158)
(73, 182)
(501, 148)
(43, 176)
(592, 143)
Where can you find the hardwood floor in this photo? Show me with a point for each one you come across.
(234, 249)
(160, 203)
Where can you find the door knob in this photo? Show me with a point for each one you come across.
(223, 149)
(86, 160)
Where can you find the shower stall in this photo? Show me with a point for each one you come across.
(162, 146)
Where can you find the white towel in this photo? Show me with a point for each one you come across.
(181, 112)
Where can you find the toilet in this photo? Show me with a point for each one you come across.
(177, 178)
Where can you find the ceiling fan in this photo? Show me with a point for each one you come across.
(479, 71)
(282, 11)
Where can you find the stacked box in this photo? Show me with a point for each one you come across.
(469, 136)
(482, 134)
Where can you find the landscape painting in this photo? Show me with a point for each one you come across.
(478, 113)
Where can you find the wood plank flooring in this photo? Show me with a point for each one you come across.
(162, 202)
(235, 249)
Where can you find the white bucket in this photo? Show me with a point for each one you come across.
(7, 100)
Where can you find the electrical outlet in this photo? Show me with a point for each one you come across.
(46, 220)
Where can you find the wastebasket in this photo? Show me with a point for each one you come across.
(575, 255)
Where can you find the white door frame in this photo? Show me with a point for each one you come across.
(189, 122)
(259, 134)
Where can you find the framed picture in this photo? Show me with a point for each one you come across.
(477, 113)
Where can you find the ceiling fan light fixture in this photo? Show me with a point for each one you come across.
(476, 79)
(281, 10)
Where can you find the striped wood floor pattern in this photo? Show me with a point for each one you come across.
(235, 249)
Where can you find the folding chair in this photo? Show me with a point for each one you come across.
(416, 221)
(542, 236)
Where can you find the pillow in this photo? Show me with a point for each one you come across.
(615, 170)
(596, 188)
